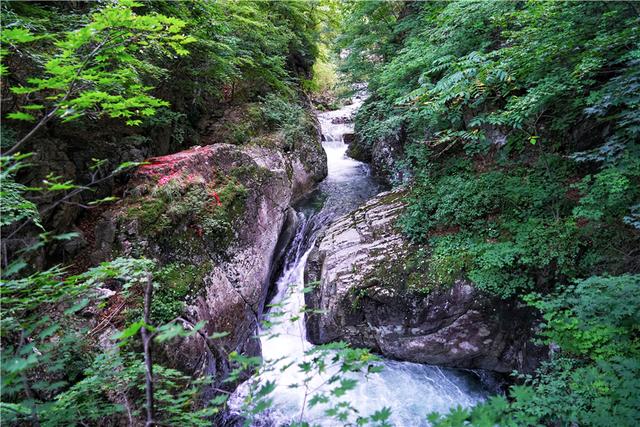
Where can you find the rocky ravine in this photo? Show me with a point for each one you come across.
(363, 265)
(219, 213)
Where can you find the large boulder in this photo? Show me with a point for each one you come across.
(371, 294)
(215, 217)
(383, 155)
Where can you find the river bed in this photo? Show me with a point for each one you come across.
(410, 390)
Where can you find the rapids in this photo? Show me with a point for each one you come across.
(410, 390)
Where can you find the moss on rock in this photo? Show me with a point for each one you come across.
(206, 210)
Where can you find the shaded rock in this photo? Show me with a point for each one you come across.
(383, 155)
(225, 211)
(74, 245)
(369, 298)
(105, 233)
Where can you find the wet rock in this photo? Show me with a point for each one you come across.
(341, 120)
(286, 236)
(366, 299)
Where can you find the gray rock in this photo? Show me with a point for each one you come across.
(105, 233)
(383, 155)
(236, 279)
(456, 326)
(75, 244)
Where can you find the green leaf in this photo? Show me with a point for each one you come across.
(33, 107)
(218, 335)
(127, 165)
(66, 236)
(14, 267)
(47, 332)
(17, 35)
(381, 415)
(266, 389)
(130, 331)
(19, 115)
(107, 199)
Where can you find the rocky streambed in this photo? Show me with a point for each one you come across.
(348, 248)
(245, 225)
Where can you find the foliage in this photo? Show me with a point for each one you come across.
(510, 226)
(592, 379)
(289, 118)
(91, 399)
(243, 49)
(464, 67)
(41, 331)
(519, 124)
(15, 207)
(97, 69)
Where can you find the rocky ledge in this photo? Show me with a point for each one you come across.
(369, 294)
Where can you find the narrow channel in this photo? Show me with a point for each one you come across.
(410, 390)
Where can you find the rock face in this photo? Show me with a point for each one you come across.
(368, 300)
(383, 155)
(223, 211)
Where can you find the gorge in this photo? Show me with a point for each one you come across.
(319, 213)
(410, 390)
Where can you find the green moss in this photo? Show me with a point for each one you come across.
(208, 211)
(176, 284)
(358, 151)
(251, 173)
(241, 133)
(409, 272)
(392, 197)
(151, 213)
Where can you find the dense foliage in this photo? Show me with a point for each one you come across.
(520, 126)
(70, 70)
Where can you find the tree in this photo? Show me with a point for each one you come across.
(97, 69)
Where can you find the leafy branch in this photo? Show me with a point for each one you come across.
(108, 79)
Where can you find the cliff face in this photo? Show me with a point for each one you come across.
(370, 296)
(215, 217)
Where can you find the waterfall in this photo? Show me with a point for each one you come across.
(411, 390)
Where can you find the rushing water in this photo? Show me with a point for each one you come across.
(411, 390)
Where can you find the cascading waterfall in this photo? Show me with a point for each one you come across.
(411, 390)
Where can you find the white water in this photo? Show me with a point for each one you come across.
(411, 390)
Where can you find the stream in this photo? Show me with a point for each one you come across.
(410, 390)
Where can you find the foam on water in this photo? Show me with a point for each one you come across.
(411, 390)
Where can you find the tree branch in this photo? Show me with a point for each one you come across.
(66, 96)
(146, 342)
